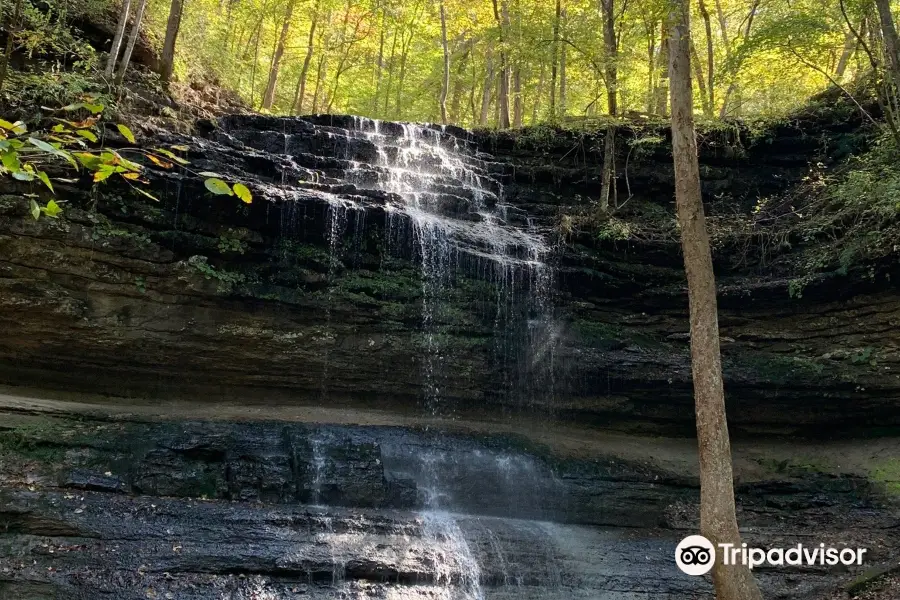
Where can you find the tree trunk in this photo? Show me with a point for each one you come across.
(662, 86)
(132, 40)
(117, 39)
(501, 15)
(850, 45)
(610, 44)
(390, 81)
(562, 65)
(611, 47)
(651, 66)
(272, 84)
(517, 97)
(718, 522)
(891, 43)
(536, 106)
(173, 25)
(709, 102)
(554, 60)
(486, 90)
(708, 110)
(445, 83)
(300, 90)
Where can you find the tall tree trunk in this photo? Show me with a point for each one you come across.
(850, 45)
(891, 43)
(709, 102)
(651, 66)
(562, 65)
(517, 97)
(554, 60)
(117, 39)
(390, 81)
(173, 25)
(501, 15)
(701, 83)
(610, 44)
(132, 40)
(662, 85)
(272, 84)
(539, 93)
(379, 63)
(14, 26)
(718, 522)
(300, 89)
(458, 83)
(486, 89)
(611, 48)
(445, 83)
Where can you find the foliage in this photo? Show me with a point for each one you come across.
(383, 58)
(73, 143)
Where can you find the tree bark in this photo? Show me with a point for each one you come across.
(709, 102)
(611, 47)
(891, 43)
(117, 39)
(300, 89)
(486, 90)
(132, 40)
(562, 65)
(501, 15)
(173, 25)
(554, 60)
(718, 522)
(272, 84)
(445, 83)
(662, 86)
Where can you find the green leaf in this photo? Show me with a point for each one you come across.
(42, 145)
(218, 187)
(209, 174)
(173, 156)
(10, 160)
(181, 148)
(73, 106)
(43, 177)
(23, 176)
(148, 194)
(103, 172)
(35, 210)
(6, 124)
(94, 108)
(87, 134)
(126, 133)
(19, 128)
(90, 161)
(52, 209)
(243, 192)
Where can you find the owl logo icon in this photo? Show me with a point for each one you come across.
(695, 555)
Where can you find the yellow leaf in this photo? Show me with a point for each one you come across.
(126, 133)
(242, 192)
(160, 162)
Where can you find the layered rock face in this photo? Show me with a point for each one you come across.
(398, 265)
(386, 273)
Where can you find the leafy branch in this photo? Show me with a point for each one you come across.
(25, 156)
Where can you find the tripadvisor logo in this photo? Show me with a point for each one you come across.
(696, 555)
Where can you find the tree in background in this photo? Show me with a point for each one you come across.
(116, 47)
(132, 40)
(718, 522)
(173, 26)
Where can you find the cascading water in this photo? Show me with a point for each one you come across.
(447, 202)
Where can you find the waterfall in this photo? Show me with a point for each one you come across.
(446, 201)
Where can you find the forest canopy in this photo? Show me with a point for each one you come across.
(501, 62)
